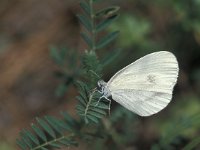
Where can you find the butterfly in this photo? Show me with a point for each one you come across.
(144, 86)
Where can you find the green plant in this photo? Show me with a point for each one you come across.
(50, 132)
(123, 130)
(175, 135)
(67, 62)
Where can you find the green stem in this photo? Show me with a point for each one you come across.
(52, 141)
(93, 33)
(88, 104)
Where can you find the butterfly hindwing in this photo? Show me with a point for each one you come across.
(142, 103)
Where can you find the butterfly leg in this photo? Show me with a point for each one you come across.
(109, 104)
(100, 97)
(107, 100)
(99, 100)
(103, 96)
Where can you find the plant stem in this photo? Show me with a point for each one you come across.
(52, 141)
(88, 104)
(93, 33)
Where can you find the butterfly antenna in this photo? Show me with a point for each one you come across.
(95, 74)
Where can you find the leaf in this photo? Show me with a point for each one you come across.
(110, 57)
(84, 5)
(105, 23)
(93, 119)
(65, 142)
(92, 68)
(97, 1)
(39, 132)
(192, 144)
(107, 39)
(87, 39)
(85, 22)
(71, 122)
(43, 148)
(103, 106)
(46, 127)
(98, 110)
(61, 89)
(32, 137)
(55, 145)
(54, 123)
(54, 53)
(26, 139)
(81, 100)
(178, 127)
(108, 12)
(21, 144)
(95, 114)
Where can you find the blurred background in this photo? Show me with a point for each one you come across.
(30, 83)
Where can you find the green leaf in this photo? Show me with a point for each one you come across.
(194, 143)
(103, 106)
(65, 126)
(85, 22)
(43, 148)
(39, 132)
(72, 123)
(84, 5)
(95, 114)
(98, 110)
(105, 23)
(46, 127)
(87, 39)
(21, 144)
(55, 145)
(65, 142)
(68, 142)
(97, 1)
(26, 139)
(54, 53)
(107, 39)
(61, 89)
(32, 137)
(81, 100)
(108, 12)
(54, 123)
(110, 57)
(93, 119)
(74, 143)
(80, 108)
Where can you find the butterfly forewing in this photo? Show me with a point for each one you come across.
(145, 86)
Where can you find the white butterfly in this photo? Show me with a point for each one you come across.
(145, 86)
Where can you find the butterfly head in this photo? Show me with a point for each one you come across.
(103, 89)
(101, 84)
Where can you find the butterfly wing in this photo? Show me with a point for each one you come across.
(145, 86)
(142, 103)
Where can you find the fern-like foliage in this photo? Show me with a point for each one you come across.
(50, 132)
(174, 134)
(94, 23)
(88, 107)
(66, 60)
